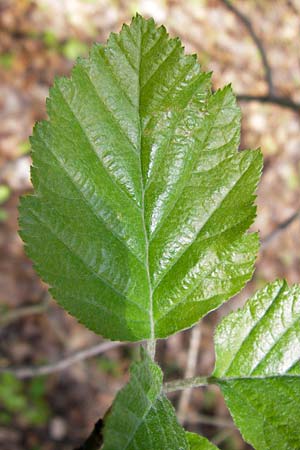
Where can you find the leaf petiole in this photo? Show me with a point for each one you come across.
(178, 385)
(151, 348)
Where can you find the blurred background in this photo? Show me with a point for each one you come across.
(254, 44)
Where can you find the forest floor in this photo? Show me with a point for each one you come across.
(40, 40)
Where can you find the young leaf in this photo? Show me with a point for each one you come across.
(141, 200)
(197, 442)
(257, 367)
(141, 416)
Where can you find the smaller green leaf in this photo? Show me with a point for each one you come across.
(257, 367)
(141, 416)
(197, 442)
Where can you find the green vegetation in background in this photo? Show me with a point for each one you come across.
(50, 39)
(71, 48)
(25, 400)
(3, 215)
(7, 60)
(74, 48)
(24, 147)
(4, 195)
(109, 366)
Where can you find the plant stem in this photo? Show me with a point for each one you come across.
(151, 347)
(178, 385)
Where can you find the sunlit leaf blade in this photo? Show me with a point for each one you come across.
(197, 442)
(141, 200)
(257, 365)
(141, 417)
(262, 338)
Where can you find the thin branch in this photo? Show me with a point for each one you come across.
(25, 311)
(285, 102)
(279, 228)
(192, 357)
(248, 24)
(62, 364)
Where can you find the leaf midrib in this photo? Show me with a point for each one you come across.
(147, 411)
(151, 318)
(224, 379)
(86, 137)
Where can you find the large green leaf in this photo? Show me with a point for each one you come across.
(257, 365)
(141, 417)
(141, 199)
(197, 442)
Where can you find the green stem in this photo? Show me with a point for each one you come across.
(151, 348)
(178, 385)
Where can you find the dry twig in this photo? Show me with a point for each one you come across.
(61, 364)
(248, 24)
(25, 311)
(271, 97)
(284, 102)
(279, 228)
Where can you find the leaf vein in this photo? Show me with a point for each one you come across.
(90, 269)
(90, 205)
(214, 210)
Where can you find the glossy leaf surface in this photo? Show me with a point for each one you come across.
(257, 362)
(141, 417)
(197, 442)
(141, 200)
